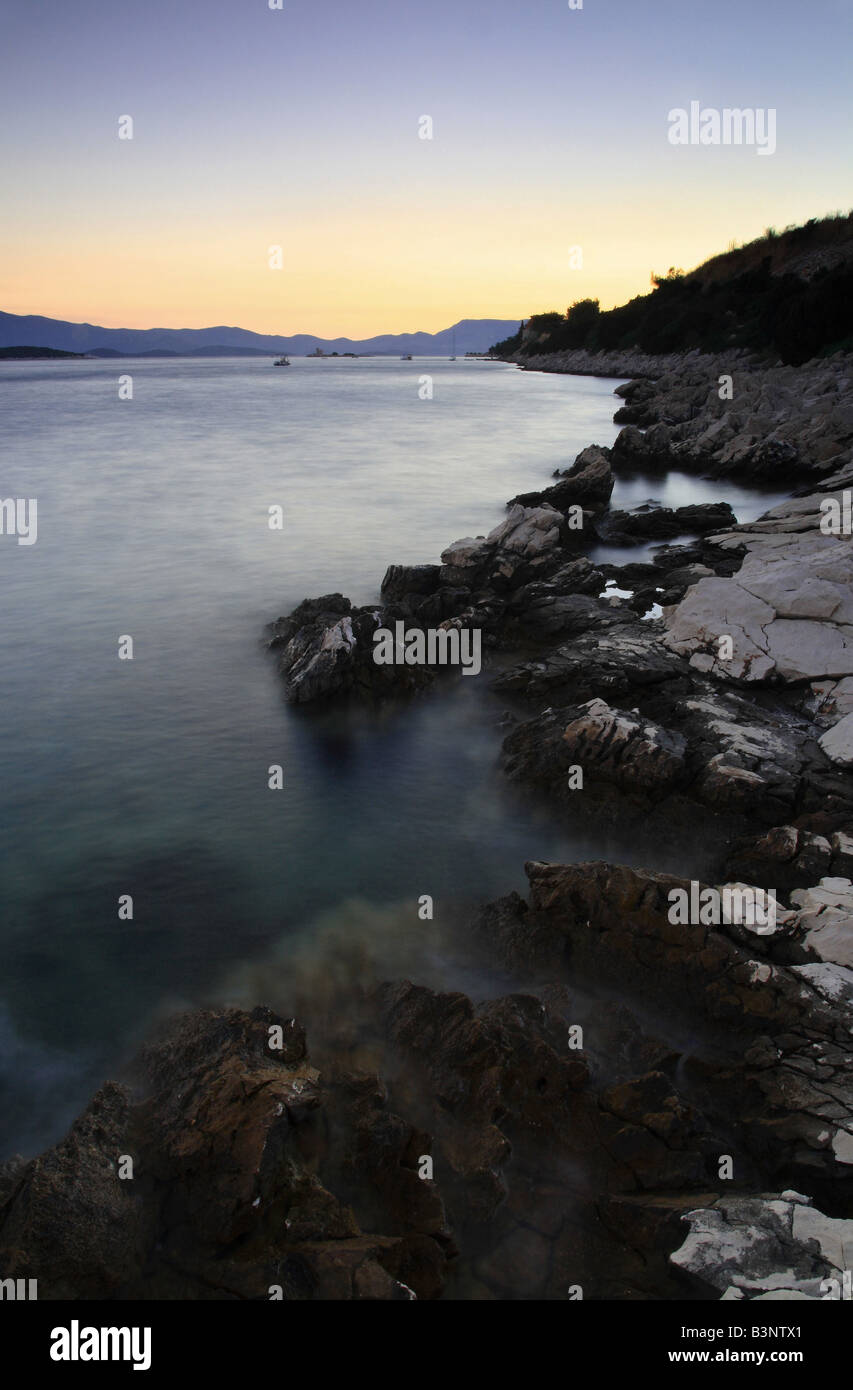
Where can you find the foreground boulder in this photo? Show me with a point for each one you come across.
(255, 1175)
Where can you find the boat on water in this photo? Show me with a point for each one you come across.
(281, 362)
(407, 357)
(453, 346)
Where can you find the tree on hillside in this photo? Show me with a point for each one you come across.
(582, 314)
(672, 275)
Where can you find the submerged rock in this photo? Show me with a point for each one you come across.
(444, 1139)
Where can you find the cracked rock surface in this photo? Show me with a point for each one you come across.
(766, 1248)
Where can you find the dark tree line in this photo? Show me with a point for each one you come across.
(751, 308)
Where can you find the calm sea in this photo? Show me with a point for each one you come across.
(149, 777)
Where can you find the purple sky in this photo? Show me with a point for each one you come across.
(299, 128)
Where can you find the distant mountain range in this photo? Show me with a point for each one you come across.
(30, 330)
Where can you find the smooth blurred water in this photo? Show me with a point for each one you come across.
(149, 777)
(678, 490)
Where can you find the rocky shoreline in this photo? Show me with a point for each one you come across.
(659, 1109)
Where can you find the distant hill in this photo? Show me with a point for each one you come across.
(28, 354)
(30, 330)
(788, 293)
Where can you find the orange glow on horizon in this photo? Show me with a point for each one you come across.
(388, 272)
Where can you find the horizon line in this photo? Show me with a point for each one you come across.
(239, 328)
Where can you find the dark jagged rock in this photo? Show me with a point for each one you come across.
(252, 1170)
(588, 483)
(225, 1200)
(786, 1083)
(576, 577)
(654, 522)
(553, 1166)
(541, 612)
(624, 749)
(783, 858)
(492, 1074)
(326, 649)
(619, 661)
(67, 1219)
(728, 754)
(400, 581)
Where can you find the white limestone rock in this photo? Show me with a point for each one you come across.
(778, 1248)
(825, 916)
(837, 742)
(527, 530)
(833, 982)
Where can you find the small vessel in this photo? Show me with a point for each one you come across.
(453, 346)
(407, 357)
(281, 362)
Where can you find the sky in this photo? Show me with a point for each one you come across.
(300, 127)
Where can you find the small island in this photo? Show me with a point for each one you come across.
(28, 354)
